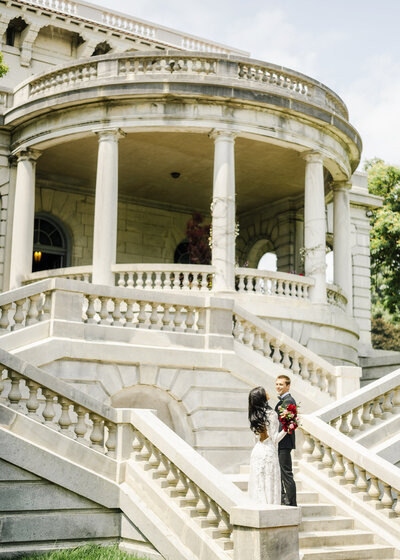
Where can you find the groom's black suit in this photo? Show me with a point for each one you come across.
(285, 460)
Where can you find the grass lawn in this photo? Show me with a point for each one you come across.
(88, 552)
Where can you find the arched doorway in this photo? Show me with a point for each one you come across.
(50, 244)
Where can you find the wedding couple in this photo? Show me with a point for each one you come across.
(271, 477)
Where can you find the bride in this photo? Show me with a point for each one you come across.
(265, 475)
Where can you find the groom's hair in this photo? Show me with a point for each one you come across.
(285, 377)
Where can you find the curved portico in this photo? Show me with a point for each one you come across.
(242, 135)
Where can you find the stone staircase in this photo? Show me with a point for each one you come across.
(325, 533)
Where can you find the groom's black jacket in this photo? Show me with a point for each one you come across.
(289, 441)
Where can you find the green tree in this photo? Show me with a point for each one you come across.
(384, 180)
(3, 66)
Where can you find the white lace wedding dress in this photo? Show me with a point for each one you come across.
(265, 474)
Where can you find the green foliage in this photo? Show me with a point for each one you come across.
(3, 66)
(89, 552)
(384, 335)
(384, 180)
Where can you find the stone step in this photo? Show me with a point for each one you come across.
(356, 552)
(321, 523)
(317, 510)
(334, 538)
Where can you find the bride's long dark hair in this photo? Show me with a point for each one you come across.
(258, 408)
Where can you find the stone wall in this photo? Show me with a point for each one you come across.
(145, 234)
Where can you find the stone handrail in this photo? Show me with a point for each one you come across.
(83, 273)
(226, 70)
(298, 360)
(164, 276)
(251, 280)
(128, 24)
(365, 407)
(336, 297)
(5, 98)
(368, 477)
(139, 436)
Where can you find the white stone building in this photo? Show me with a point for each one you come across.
(114, 132)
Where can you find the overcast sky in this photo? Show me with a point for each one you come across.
(351, 46)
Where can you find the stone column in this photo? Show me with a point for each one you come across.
(315, 226)
(106, 207)
(342, 241)
(23, 217)
(223, 210)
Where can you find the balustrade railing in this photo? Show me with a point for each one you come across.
(83, 273)
(264, 339)
(218, 68)
(364, 409)
(25, 306)
(336, 297)
(269, 283)
(195, 278)
(367, 477)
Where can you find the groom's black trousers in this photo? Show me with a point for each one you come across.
(288, 483)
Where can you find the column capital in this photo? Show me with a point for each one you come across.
(312, 156)
(220, 134)
(341, 186)
(114, 134)
(26, 154)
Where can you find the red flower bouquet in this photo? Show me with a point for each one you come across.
(288, 418)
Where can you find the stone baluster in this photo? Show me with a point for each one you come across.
(322, 380)
(111, 442)
(121, 280)
(295, 363)
(366, 416)
(154, 316)
(178, 318)
(80, 427)
(313, 375)
(116, 314)
(286, 356)
(148, 283)
(374, 491)
(361, 484)
(176, 284)
(4, 320)
(327, 460)
(104, 314)
(19, 314)
(332, 381)
(236, 327)
(387, 407)
(32, 404)
(129, 314)
(166, 317)
(185, 281)
(189, 319)
(33, 311)
(212, 517)
(280, 287)
(14, 396)
(387, 498)
(142, 316)
(129, 283)
(201, 320)
(338, 467)
(158, 285)
(96, 435)
(2, 380)
(247, 332)
(355, 419)
(317, 453)
(350, 474)
(46, 307)
(276, 356)
(91, 310)
(344, 425)
(163, 468)
(192, 496)
(288, 292)
(241, 283)
(308, 446)
(305, 374)
(376, 410)
(397, 505)
(396, 400)
(65, 420)
(48, 411)
(258, 344)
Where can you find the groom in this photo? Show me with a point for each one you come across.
(286, 444)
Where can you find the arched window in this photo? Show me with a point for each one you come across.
(50, 244)
(181, 255)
